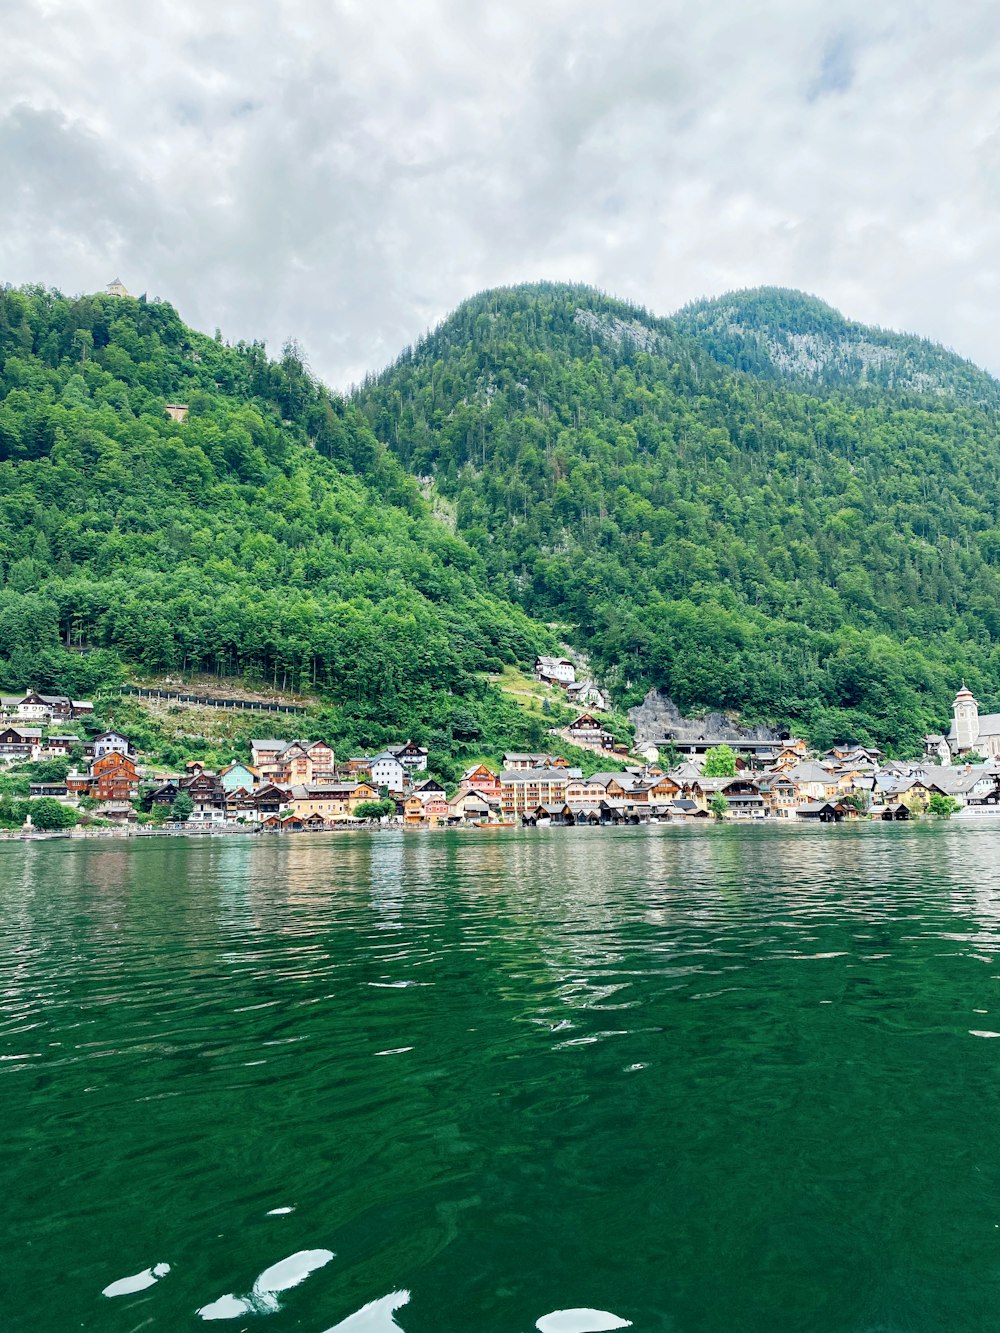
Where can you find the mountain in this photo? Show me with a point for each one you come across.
(756, 505)
(268, 536)
(785, 335)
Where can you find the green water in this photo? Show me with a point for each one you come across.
(707, 1080)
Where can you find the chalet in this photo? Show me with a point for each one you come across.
(655, 789)
(256, 806)
(412, 757)
(358, 767)
(525, 789)
(413, 810)
(482, 779)
(555, 670)
(428, 789)
(44, 707)
(20, 743)
(745, 798)
(113, 778)
(293, 766)
(163, 795)
(589, 731)
(208, 796)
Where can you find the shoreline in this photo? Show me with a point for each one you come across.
(125, 834)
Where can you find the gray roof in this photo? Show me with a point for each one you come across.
(809, 772)
(527, 774)
(989, 725)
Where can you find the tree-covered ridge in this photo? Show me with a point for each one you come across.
(779, 334)
(270, 535)
(832, 559)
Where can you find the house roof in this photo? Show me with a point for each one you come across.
(808, 771)
(527, 774)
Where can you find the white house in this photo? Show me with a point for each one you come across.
(559, 669)
(388, 771)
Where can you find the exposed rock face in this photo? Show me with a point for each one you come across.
(617, 331)
(658, 721)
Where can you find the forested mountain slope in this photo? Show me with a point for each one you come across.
(786, 335)
(268, 536)
(743, 540)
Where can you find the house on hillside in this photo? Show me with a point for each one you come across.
(585, 694)
(20, 743)
(555, 670)
(113, 781)
(412, 757)
(109, 742)
(589, 730)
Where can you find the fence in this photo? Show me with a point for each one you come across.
(232, 705)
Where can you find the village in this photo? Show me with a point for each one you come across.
(292, 785)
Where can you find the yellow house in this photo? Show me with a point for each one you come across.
(331, 803)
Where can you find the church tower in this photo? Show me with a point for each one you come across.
(966, 712)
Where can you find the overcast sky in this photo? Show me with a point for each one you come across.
(347, 171)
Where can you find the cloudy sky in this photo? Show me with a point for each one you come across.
(346, 171)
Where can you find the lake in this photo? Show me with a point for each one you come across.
(706, 1080)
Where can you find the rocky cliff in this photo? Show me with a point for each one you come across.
(658, 721)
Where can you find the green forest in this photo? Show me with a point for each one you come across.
(823, 551)
(270, 536)
(757, 506)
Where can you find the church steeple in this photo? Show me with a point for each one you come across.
(966, 711)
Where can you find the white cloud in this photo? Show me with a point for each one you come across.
(348, 172)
